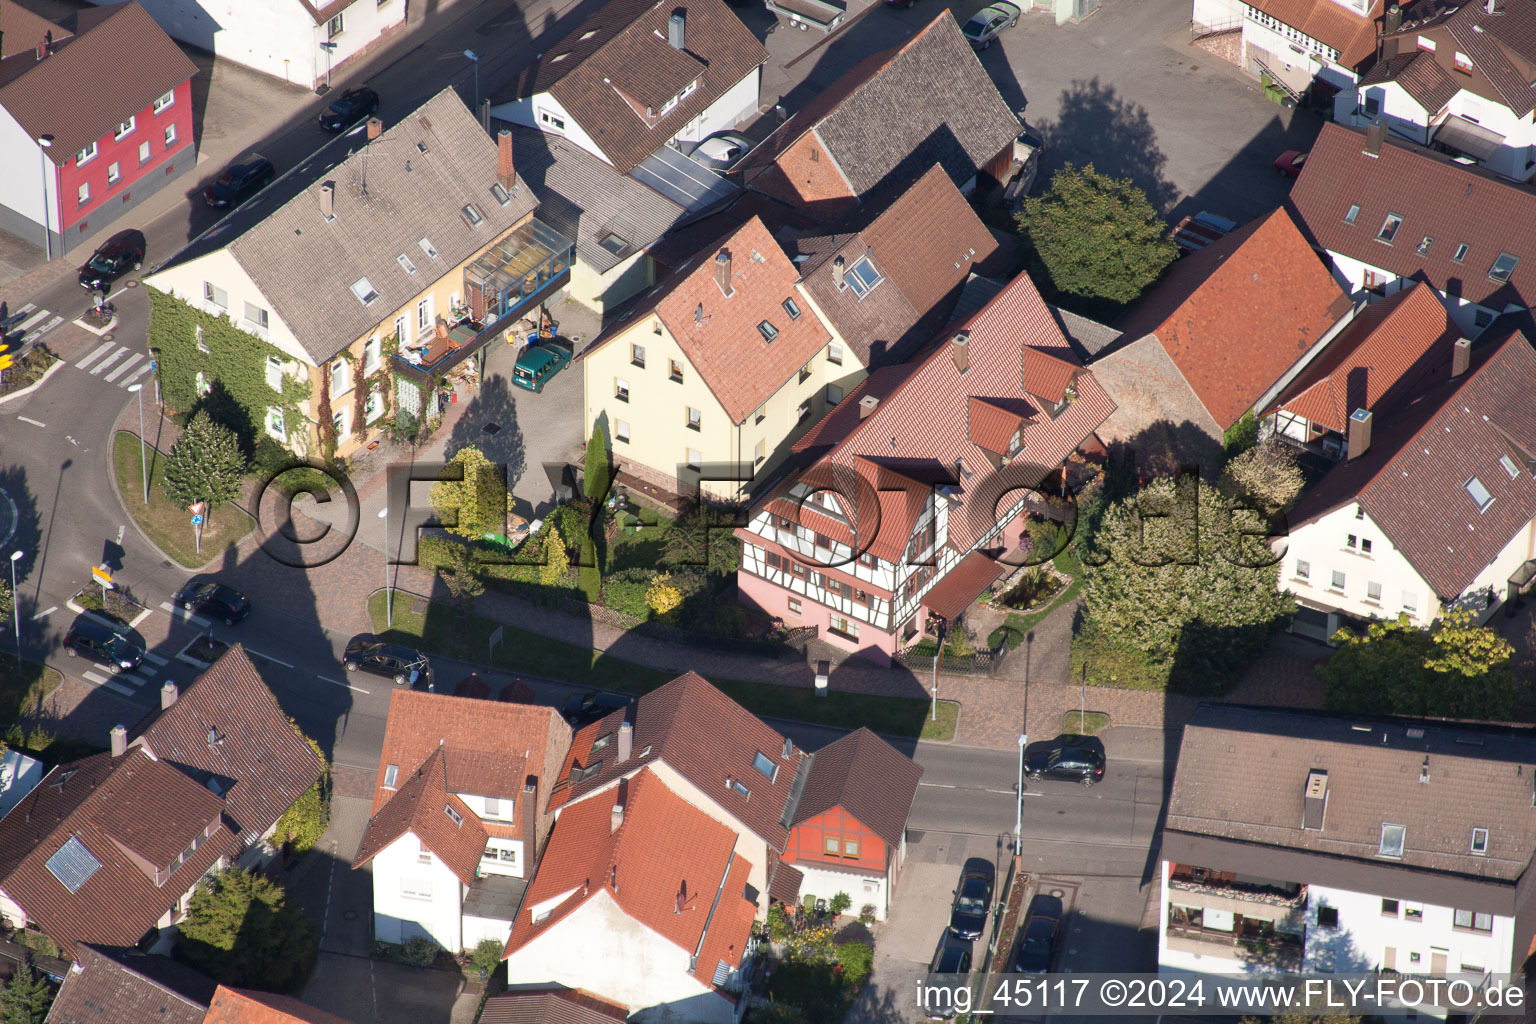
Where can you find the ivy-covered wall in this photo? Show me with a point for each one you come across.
(234, 368)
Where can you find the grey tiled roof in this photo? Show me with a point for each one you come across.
(586, 200)
(111, 986)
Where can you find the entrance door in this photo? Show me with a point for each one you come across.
(1437, 961)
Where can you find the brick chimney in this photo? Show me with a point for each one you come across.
(838, 270)
(1375, 138)
(723, 272)
(119, 736)
(1461, 357)
(504, 171)
(1359, 433)
(328, 200)
(168, 695)
(529, 809)
(375, 128)
(867, 405)
(959, 351)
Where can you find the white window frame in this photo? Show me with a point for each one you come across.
(416, 887)
(165, 101)
(341, 419)
(114, 172)
(695, 458)
(277, 426)
(553, 121)
(373, 407)
(275, 374)
(213, 295)
(341, 377)
(424, 317)
(145, 153)
(336, 26)
(262, 320)
(373, 350)
(621, 430)
(391, 775)
(126, 128)
(83, 194)
(364, 291)
(86, 155)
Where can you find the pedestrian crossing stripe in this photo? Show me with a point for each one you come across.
(115, 363)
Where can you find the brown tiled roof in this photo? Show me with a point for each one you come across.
(484, 772)
(1387, 351)
(1421, 77)
(1327, 21)
(120, 900)
(473, 686)
(1239, 313)
(626, 49)
(1242, 773)
(719, 334)
(962, 584)
(784, 883)
(706, 737)
(228, 727)
(244, 1006)
(921, 281)
(663, 867)
(62, 95)
(419, 808)
(866, 777)
(1502, 46)
(551, 1006)
(885, 123)
(125, 986)
(24, 30)
(1436, 198)
(518, 692)
(324, 12)
(1412, 480)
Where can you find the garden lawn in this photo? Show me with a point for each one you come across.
(166, 522)
(1018, 624)
(22, 687)
(444, 630)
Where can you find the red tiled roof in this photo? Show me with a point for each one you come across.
(704, 736)
(243, 1006)
(92, 801)
(1386, 351)
(729, 927)
(1412, 480)
(666, 855)
(868, 778)
(1437, 199)
(62, 95)
(1235, 316)
(254, 745)
(994, 421)
(960, 586)
(419, 808)
(1353, 35)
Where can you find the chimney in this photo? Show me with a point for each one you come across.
(960, 352)
(328, 200)
(1461, 357)
(504, 160)
(1359, 433)
(530, 812)
(1375, 137)
(168, 695)
(838, 271)
(723, 271)
(676, 25)
(485, 116)
(375, 128)
(867, 405)
(616, 819)
(119, 740)
(1394, 20)
(626, 742)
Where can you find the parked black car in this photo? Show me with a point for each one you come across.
(119, 254)
(214, 600)
(239, 182)
(95, 639)
(585, 708)
(349, 108)
(952, 958)
(1071, 757)
(973, 899)
(1037, 938)
(404, 665)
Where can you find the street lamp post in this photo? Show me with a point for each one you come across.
(16, 606)
(138, 389)
(389, 599)
(1018, 814)
(476, 61)
(328, 47)
(45, 143)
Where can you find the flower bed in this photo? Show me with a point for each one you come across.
(116, 606)
(27, 371)
(202, 652)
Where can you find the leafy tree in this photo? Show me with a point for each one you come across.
(1266, 475)
(1177, 572)
(241, 930)
(1241, 436)
(305, 822)
(599, 472)
(663, 597)
(1454, 670)
(476, 504)
(461, 576)
(205, 464)
(1096, 237)
(26, 998)
(7, 601)
(841, 902)
(557, 561)
(487, 955)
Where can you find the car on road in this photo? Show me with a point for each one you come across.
(973, 899)
(989, 22)
(951, 958)
(405, 665)
(1291, 162)
(118, 255)
(722, 150)
(1037, 936)
(239, 182)
(214, 600)
(585, 708)
(1070, 757)
(538, 364)
(96, 639)
(349, 108)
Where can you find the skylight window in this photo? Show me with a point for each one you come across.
(500, 194)
(792, 308)
(1392, 837)
(765, 764)
(364, 290)
(739, 786)
(473, 215)
(1480, 842)
(1509, 466)
(862, 277)
(768, 331)
(1503, 267)
(406, 264)
(589, 33)
(1389, 228)
(1354, 211)
(615, 244)
(72, 864)
(557, 58)
(1479, 494)
(453, 815)
(1425, 243)
(428, 248)
(1461, 253)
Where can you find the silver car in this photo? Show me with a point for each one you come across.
(722, 150)
(989, 22)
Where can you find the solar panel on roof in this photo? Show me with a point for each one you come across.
(72, 864)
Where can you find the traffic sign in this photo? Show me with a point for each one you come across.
(197, 520)
(197, 507)
(102, 576)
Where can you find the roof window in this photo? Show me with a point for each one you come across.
(501, 195)
(1509, 466)
(763, 763)
(768, 331)
(1392, 837)
(862, 277)
(602, 741)
(614, 243)
(1480, 842)
(1478, 493)
(739, 786)
(1461, 252)
(405, 263)
(589, 33)
(428, 248)
(1425, 243)
(473, 215)
(1503, 267)
(453, 815)
(1389, 228)
(364, 290)
(1354, 211)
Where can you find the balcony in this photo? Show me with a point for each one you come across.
(1240, 888)
(1254, 946)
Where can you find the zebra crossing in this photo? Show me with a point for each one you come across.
(127, 684)
(29, 323)
(114, 363)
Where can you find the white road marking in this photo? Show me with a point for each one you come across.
(28, 419)
(117, 687)
(97, 354)
(114, 357)
(131, 679)
(184, 613)
(45, 613)
(939, 785)
(338, 682)
(155, 659)
(146, 613)
(115, 373)
(50, 325)
(126, 381)
(94, 677)
(29, 307)
(29, 321)
(268, 657)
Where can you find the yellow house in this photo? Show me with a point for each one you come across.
(708, 377)
(374, 279)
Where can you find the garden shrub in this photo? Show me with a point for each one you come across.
(419, 951)
(858, 961)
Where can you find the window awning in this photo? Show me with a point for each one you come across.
(1472, 139)
(951, 595)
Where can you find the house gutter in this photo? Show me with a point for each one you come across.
(693, 961)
